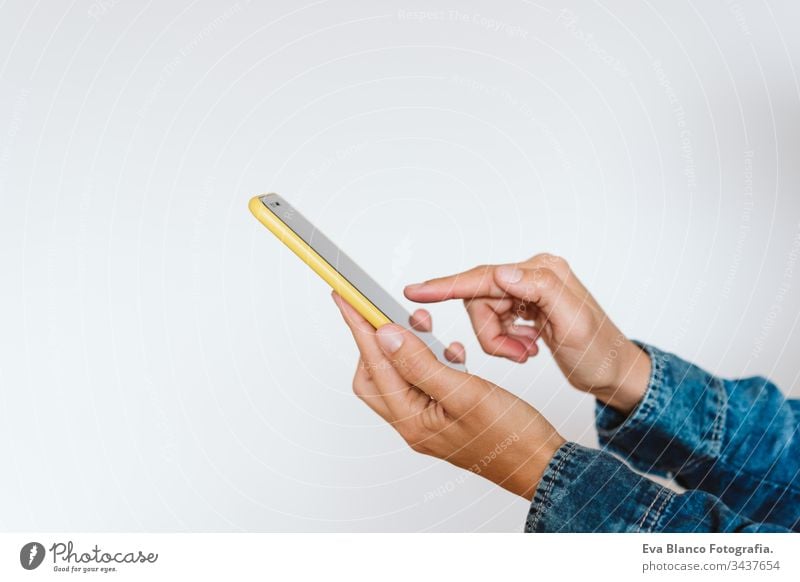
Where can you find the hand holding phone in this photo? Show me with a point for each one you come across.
(449, 414)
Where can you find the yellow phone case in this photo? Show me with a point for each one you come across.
(320, 266)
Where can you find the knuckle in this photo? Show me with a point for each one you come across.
(418, 446)
(542, 279)
(540, 258)
(472, 396)
(431, 418)
(551, 261)
(559, 264)
(413, 435)
(486, 346)
(417, 368)
(472, 304)
(358, 388)
(428, 422)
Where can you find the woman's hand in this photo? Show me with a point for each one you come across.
(449, 414)
(512, 306)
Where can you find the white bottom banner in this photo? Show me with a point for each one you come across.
(254, 556)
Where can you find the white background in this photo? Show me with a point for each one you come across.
(166, 365)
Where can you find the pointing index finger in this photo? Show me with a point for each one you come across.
(477, 282)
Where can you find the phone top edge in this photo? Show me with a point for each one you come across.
(297, 233)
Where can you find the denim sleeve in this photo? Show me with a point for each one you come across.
(735, 439)
(585, 490)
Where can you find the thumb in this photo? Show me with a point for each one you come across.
(543, 288)
(417, 365)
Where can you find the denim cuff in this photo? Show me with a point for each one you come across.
(677, 426)
(585, 490)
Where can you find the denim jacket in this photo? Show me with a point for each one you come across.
(732, 444)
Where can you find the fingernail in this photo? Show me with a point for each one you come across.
(509, 274)
(414, 286)
(390, 338)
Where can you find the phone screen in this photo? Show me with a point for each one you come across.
(348, 269)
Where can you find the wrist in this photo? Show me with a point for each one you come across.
(525, 478)
(630, 381)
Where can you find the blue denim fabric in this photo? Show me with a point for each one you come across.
(586, 490)
(733, 443)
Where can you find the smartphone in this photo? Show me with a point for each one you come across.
(336, 268)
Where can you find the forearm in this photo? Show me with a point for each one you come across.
(585, 490)
(735, 439)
